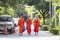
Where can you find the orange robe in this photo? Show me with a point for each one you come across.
(36, 25)
(29, 22)
(21, 25)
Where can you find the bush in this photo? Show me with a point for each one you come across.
(45, 28)
(47, 21)
(55, 31)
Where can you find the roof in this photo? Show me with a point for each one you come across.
(5, 15)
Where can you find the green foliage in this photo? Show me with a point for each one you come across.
(57, 17)
(47, 21)
(32, 2)
(11, 6)
(45, 27)
(30, 9)
(20, 12)
(11, 2)
(10, 11)
(58, 10)
(55, 31)
(2, 10)
(8, 2)
(53, 0)
(41, 5)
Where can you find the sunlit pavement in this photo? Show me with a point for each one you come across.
(16, 35)
(42, 35)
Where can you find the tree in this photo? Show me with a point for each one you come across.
(54, 11)
(15, 5)
(41, 5)
(7, 3)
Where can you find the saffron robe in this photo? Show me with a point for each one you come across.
(36, 25)
(29, 22)
(21, 25)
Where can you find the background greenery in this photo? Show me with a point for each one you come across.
(16, 8)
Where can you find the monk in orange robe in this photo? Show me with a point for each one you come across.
(21, 25)
(29, 22)
(36, 25)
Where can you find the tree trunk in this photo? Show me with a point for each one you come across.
(43, 18)
(43, 14)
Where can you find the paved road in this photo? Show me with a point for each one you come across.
(42, 35)
(16, 35)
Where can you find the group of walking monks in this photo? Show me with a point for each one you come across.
(28, 25)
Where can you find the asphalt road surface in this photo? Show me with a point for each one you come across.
(16, 35)
(42, 35)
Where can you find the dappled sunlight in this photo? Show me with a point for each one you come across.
(46, 14)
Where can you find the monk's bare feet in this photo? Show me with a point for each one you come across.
(36, 33)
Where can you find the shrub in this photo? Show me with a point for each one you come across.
(54, 31)
(45, 28)
(47, 21)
